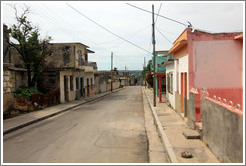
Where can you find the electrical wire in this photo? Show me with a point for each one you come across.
(164, 36)
(106, 28)
(157, 14)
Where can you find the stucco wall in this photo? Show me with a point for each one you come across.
(171, 96)
(177, 102)
(183, 67)
(222, 131)
(218, 64)
(191, 110)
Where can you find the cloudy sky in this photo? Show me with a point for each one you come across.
(67, 21)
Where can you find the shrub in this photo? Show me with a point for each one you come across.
(26, 92)
(121, 86)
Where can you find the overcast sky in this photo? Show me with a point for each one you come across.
(64, 24)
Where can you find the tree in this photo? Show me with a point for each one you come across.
(32, 50)
(116, 70)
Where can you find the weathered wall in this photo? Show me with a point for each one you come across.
(63, 56)
(191, 110)
(49, 81)
(12, 80)
(222, 131)
(100, 83)
(177, 103)
(71, 93)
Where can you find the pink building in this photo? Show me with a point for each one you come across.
(208, 88)
(213, 62)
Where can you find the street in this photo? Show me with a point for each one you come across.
(108, 130)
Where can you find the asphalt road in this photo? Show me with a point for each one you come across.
(109, 130)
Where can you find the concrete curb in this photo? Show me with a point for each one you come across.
(56, 113)
(167, 146)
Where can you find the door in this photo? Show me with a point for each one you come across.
(66, 92)
(184, 93)
(81, 86)
(88, 87)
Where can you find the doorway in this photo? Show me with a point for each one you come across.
(66, 92)
(82, 87)
(184, 93)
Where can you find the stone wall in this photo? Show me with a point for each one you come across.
(222, 131)
(12, 80)
(63, 56)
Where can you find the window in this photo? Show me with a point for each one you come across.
(91, 84)
(71, 83)
(77, 82)
(170, 82)
(80, 57)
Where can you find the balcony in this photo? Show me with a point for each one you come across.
(88, 66)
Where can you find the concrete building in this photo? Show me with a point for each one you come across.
(208, 87)
(68, 70)
(14, 72)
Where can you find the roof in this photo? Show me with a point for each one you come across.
(239, 36)
(73, 43)
(162, 52)
(177, 46)
(89, 51)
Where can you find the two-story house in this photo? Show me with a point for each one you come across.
(69, 71)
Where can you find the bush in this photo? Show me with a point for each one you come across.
(26, 92)
(121, 86)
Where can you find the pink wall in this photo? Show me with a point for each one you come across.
(216, 63)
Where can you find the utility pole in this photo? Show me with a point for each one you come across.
(144, 73)
(111, 71)
(154, 81)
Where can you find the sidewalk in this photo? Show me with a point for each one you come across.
(172, 130)
(13, 124)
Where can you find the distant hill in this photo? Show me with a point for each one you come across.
(132, 72)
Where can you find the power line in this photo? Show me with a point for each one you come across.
(106, 28)
(157, 14)
(164, 36)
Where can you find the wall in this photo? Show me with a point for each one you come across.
(191, 112)
(218, 59)
(89, 75)
(183, 67)
(63, 56)
(49, 81)
(72, 94)
(222, 131)
(12, 80)
(218, 66)
(177, 102)
(170, 96)
(100, 83)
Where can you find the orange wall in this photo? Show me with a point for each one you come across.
(183, 36)
(181, 52)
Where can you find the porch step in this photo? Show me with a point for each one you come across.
(191, 134)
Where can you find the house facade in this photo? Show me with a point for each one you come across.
(208, 87)
(68, 70)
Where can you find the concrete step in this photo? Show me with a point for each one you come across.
(191, 134)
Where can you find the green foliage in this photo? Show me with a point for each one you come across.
(121, 86)
(26, 92)
(32, 50)
(116, 70)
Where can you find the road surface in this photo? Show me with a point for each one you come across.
(108, 130)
